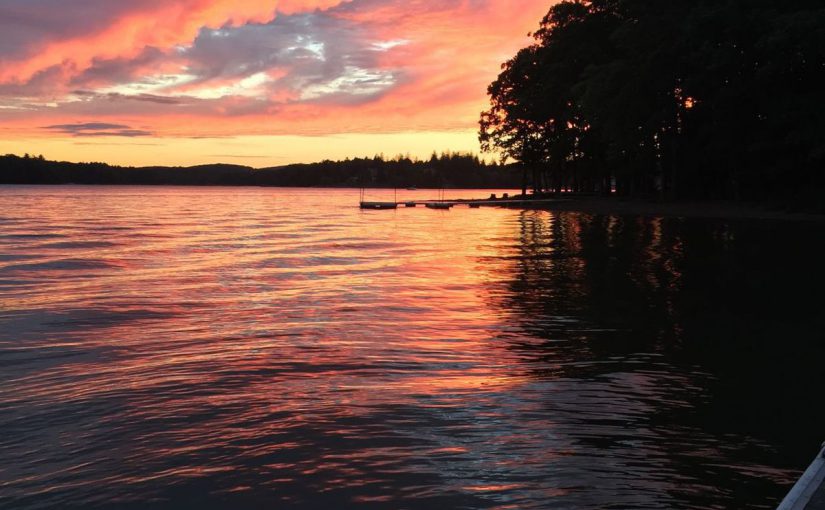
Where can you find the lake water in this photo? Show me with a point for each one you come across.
(268, 348)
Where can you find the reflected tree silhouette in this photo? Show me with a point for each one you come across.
(695, 339)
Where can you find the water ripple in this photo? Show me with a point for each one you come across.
(226, 348)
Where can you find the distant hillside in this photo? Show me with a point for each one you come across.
(445, 170)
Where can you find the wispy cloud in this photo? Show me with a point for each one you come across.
(93, 129)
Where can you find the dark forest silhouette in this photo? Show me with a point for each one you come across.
(694, 99)
(451, 170)
(684, 99)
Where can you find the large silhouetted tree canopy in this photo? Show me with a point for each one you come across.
(678, 98)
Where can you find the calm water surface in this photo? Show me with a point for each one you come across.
(267, 348)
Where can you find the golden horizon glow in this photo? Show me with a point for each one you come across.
(253, 151)
(257, 83)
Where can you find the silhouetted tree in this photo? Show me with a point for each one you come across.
(685, 98)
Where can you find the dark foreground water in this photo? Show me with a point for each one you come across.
(215, 348)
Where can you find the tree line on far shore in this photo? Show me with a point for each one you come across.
(699, 99)
(447, 170)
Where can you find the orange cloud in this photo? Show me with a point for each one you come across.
(357, 66)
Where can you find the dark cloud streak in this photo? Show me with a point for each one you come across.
(98, 129)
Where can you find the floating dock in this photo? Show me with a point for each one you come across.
(448, 204)
(809, 491)
(379, 205)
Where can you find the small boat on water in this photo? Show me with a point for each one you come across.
(379, 205)
(809, 491)
(411, 203)
(440, 203)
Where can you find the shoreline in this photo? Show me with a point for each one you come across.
(713, 209)
(688, 209)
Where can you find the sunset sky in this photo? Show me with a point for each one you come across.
(256, 82)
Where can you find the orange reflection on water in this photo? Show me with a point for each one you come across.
(195, 304)
(282, 346)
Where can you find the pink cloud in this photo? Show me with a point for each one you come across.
(147, 23)
(355, 66)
